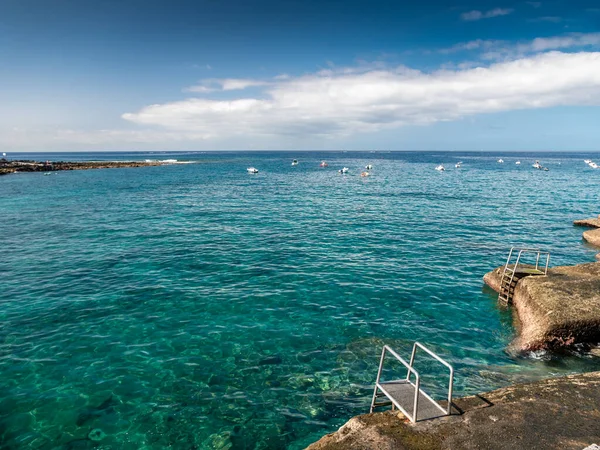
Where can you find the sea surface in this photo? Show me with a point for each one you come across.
(197, 306)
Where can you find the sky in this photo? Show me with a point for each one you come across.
(79, 75)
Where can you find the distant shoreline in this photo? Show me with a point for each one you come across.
(17, 166)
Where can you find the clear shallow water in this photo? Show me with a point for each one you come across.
(197, 306)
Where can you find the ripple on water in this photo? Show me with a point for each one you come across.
(194, 305)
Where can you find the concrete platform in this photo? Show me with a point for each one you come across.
(559, 413)
(557, 310)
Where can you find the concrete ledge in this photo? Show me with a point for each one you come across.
(559, 413)
(557, 310)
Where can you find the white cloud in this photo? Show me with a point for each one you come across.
(569, 41)
(478, 15)
(502, 50)
(226, 84)
(342, 103)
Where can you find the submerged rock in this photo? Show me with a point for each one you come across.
(554, 413)
(557, 310)
(96, 435)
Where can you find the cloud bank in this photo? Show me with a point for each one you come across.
(344, 102)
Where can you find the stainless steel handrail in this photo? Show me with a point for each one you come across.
(417, 384)
(522, 251)
(450, 382)
(410, 369)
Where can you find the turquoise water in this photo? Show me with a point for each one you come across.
(198, 306)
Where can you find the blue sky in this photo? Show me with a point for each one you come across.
(200, 75)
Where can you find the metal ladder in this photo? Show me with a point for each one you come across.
(405, 392)
(512, 274)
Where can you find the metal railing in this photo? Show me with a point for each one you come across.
(417, 384)
(512, 271)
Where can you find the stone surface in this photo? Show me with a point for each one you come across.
(560, 413)
(593, 222)
(597, 256)
(593, 237)
(557, 310)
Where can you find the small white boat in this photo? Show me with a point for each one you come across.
(587, 161)
(323, 164)
(344, 170)
(440, 168)
(368, 167)
(593, 165)
(518, 163)
(501, 161)
(537, 165)
(295, 162)
(365, 174)
(458, 165)
(252, 170)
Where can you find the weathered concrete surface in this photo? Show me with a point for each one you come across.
(7, 166)
(594, 222)
(593, 237)
(557, 310)
(559, 413)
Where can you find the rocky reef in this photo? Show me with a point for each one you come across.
(12, 166)
(594, 222)
(554, 413)
(557, 310)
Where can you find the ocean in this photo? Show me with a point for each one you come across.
(197, 306)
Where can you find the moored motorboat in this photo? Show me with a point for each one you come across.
(252, 170)
(324, 164)
(458, 165)
(500, 160)
(365, 174)
(295, 162)
(537, 165)
(440, 168)
(518, 163)
(344, 170)
(368, 167)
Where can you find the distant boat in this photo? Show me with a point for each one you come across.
(501, 161)
(593, 165)
(537, 165)
(365, 174)
(587, 161)
(368, 167)
(252, 170)
(324, 164)
(295, 162)
(440, 168)
(344, 170)
(518, 163)
(458, 165)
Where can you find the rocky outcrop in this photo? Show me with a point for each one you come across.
(7, 167)
(559, 413)
(592, 223)
(557, 310)
(593, 237)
